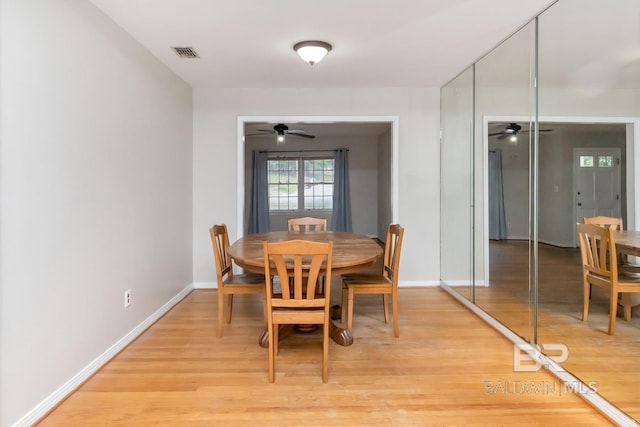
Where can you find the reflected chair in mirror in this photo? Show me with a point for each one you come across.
(600, 268)
(229, 283)
(384, 282)
(604, 221)
(307, 223)
(624, 264)
(298, 300)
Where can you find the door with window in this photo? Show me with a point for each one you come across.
(597, 187)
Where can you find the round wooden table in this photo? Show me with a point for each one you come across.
(351, 252)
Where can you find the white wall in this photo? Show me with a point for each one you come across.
(95, 175)
(385, 150)
(215, 127)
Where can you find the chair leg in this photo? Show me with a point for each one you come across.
(613, 311)
(229, 307)
(276, 339)
(271, 353)
(265, 312)
(325, 353)
(220, 311)
(344, 303)
(586, 295)
(385, 305)
(396, 325)
(350, 309)
(626, 305)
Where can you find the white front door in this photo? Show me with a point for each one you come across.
(596, 173)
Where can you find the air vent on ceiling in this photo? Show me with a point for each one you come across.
(186, 52)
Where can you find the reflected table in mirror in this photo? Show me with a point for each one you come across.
(627, 241)
(351, 252)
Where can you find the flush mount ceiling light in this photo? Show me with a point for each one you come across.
(312, 51)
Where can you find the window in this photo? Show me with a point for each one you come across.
(586, 161)
(300, 183)
(602, 161)
(605, 161)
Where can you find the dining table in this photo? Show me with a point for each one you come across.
(352, 252)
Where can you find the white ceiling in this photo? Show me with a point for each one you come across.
(376, 43)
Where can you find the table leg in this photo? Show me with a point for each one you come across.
(342, 336)
(284, 330)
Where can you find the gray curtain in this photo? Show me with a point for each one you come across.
(259, 214)
(497, 218)
(341, 216)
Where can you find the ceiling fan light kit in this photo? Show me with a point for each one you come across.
(312, 51)
(511, 130)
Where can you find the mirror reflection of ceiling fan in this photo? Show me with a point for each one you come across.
(513, 129)
(280, 130)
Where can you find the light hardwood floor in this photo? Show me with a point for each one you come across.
(447, 368)
(594, 356)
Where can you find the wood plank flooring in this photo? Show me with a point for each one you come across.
(609, 361)
(447, 368)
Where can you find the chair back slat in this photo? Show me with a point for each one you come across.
(392, 249)
(313, 277)
(220, 243)
(298, 265)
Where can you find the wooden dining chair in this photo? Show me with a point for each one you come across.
(307, 223)
(385, 282)
(227, 282)
(614, 223)
(600, 268)
(299, 301)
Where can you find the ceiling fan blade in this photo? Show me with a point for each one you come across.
(304, 135)
(258, 134)
(265, 130)
(496, 133)
(504, 135)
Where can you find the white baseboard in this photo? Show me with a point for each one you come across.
(418, 283)
(557, 244)
(401, 283)
(205, 285)
(73, 383)
(456, 283)
(547, 242)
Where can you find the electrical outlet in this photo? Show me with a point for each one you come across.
(127, 298)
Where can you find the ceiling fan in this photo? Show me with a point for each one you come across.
(512, 129)
(280, 130)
